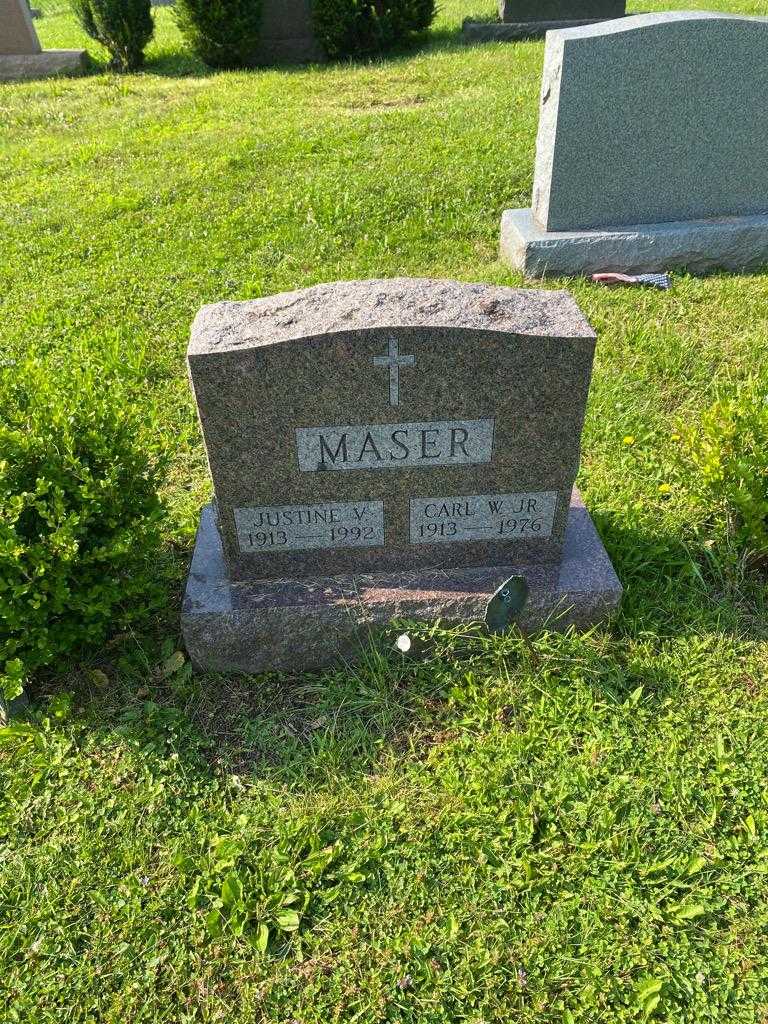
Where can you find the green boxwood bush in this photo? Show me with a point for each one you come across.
(79, 514)
(226, 33)
(347, 28)
(222, 33)
(123, 27)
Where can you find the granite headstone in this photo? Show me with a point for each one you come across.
(560, 10)
(17, 34)
(531, 19)
(287, 34)
(20, 53)
(386, 447)
(652, 149)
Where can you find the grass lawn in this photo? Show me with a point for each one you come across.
(571, 831)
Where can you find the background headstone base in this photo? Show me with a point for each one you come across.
(304, 625)
(10, 708)
(511, 31)
(559, 10)
(19, 66)
(729, 243)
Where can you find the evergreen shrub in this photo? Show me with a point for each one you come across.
(222, 33)
(350, 28)
(80, 514)
(123, 27)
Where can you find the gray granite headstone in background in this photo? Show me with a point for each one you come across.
(559, 10)
(531, 19)
(20, 53)
(653, 118)
(288, 34)
(17, 34)
(652, 148)
(378, 446)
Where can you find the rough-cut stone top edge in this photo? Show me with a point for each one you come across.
(633, 22)
(386, 303)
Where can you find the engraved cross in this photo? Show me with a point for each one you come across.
(394, 361)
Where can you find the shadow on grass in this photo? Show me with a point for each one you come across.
(305, 731)
(301, 730)
(674, 589)
(174, 63)
(171, 63)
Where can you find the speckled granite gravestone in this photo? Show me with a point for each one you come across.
(560, 10)
(380, 448)
(652, 149)
(530, 19)
(287, 33)
(20, 52)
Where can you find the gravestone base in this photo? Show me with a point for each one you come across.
(699, 246)
(11, 708)
(20, 66)
(512, 31)
(311, 623)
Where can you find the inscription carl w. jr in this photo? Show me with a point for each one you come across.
(482, 517)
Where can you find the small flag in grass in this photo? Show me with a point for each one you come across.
(650, 280)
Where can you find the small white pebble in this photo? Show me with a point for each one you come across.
(403, 643)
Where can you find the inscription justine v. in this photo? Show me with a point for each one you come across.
(275, 528)
(395, 445)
